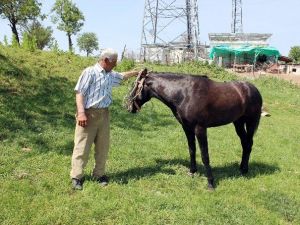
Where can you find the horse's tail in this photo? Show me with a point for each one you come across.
(256, 123)
(264, 111)
(255, 104)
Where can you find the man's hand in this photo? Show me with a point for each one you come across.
(82, 119)
(129, 74)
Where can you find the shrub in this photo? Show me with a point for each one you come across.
(125, 65)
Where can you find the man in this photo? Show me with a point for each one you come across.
(93, 97)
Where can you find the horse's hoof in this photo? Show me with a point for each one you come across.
(243, 169)
(244, 172)
(210, 187)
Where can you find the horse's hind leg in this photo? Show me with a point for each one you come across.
(190, 135)
(246, 135)
(201, 134)
(241, 132)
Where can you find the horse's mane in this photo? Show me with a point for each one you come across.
(173, 76)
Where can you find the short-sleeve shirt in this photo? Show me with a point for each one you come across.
(95, 84)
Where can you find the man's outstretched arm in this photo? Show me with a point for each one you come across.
(129, 74)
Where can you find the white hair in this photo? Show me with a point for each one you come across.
(109, 54)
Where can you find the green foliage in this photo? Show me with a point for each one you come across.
(19, 12)
(5, 40)
(125, 65)
(54, 46)
(148, 160)
(69, 18)
(42, 35)
(295, 53)
(29, 42)
(88, 42)
(14, 42)
(197, 68)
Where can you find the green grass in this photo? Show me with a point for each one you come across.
(148, 161)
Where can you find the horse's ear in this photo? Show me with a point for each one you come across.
(143, 72)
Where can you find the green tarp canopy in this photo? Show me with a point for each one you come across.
(251, 50)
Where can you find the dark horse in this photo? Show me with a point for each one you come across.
(198, 103)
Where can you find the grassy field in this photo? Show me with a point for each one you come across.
(148, 161)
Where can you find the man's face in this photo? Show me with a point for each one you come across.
(110, 64)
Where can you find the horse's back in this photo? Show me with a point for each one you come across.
(213, 103)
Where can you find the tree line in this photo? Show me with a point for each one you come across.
(25, 20)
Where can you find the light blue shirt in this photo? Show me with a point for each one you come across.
(95, 84)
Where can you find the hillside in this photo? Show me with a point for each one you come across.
(148, 161)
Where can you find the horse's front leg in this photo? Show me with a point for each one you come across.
(190, 135)
(201, 134)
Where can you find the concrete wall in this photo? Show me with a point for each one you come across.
(293, 69)
(238, 40)
(290, 69)
(166, 55)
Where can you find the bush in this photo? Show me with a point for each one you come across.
(29, 42)
(125, 65)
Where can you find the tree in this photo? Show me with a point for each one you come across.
(69, 18)
(42, 35)
(54, 46)
(295, 53)
(88, 42)
(5, 40)
(18, 12)
(14, 42)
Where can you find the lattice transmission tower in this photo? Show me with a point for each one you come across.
(237, 17)
(170, 26)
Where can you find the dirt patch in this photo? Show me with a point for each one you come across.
(295, 79)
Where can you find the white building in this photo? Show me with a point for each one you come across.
(237, 40)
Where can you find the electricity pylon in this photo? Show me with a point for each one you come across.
(237, 17)
(170, 24)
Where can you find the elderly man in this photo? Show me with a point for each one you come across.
(93, 97)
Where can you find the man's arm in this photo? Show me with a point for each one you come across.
(129, 74)
(81, 116)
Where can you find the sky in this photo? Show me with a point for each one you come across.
(119, 22)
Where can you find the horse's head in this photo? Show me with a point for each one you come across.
(139, 93)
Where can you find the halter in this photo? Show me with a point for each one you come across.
(140, 86)
(136, 91)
